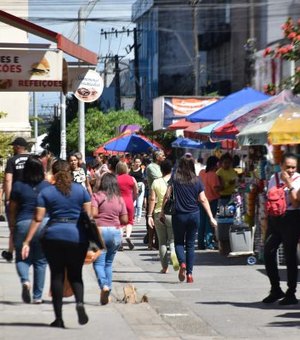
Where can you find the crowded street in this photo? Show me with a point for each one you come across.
(223, 303)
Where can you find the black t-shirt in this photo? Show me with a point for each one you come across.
(15, 166)
(138, 175)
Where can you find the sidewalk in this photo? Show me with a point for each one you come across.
(224, 302)
(113, 321)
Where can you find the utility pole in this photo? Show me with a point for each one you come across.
(83, 13)
(250, 46)
(81, 106)
(196, 47)
(135, 46)
(36, 126)
(117, 84)
(137, 104)
(63, 144)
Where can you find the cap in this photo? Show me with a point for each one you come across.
(19, 141)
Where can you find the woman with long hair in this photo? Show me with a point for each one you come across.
(129, 190)
(188, 191)
(21, 211)
(64, 240)
(79, 173)
(110, 213)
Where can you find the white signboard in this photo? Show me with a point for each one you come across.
(30, 70)
(88, 86)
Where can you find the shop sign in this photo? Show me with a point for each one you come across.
(30, 70)
(88, 86)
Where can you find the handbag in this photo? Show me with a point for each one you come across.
(92, 254)
(169, 207)
(92, 231)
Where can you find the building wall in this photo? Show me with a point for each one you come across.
(15, 104)
(269, 33)
(166, 49)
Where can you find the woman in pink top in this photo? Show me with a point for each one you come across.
(211, 188)
(129, 190)
(109, 211)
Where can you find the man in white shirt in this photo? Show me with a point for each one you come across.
(284, 229)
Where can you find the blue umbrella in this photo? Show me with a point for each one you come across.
(187, 143)
(220, 109)
(130, 143)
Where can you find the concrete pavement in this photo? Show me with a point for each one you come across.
(222, 303)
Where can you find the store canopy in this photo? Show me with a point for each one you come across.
(278, 123)
(187, 143)
(220, 109)
(191, 131)
(231, 125)
(131, 143)
(62, 42)
(180, 124)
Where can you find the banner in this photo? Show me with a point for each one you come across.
(30, 70)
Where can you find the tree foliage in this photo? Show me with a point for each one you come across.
(100, 127)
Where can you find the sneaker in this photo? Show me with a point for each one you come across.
(82, 317)
(129, 242)
(175, 262)
(26, 292)
(274, 296)
(37, 301)
(181, 274)
(104, 296)
(289, 299)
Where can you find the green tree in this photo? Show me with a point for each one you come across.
(100, 127)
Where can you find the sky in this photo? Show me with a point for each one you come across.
(61, 16)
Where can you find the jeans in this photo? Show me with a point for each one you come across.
(165, 237)
(185, 228)
(36, 258)
(103, 265)
(205, 231)
(284, 230)
(138, 203)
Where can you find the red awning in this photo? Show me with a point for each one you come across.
(62, 42)
(191, 131)
(180, 124)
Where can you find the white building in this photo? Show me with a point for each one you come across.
(14, 104)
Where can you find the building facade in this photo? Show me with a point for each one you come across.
(181, 40)
(14, 104)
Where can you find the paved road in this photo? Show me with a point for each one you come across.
(222, 303)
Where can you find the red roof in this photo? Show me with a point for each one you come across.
(62, 42)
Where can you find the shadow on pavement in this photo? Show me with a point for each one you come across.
(24, 324)
(256, 305)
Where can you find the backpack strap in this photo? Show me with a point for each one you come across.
(277, 180)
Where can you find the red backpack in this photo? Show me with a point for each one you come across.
(276, 203)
